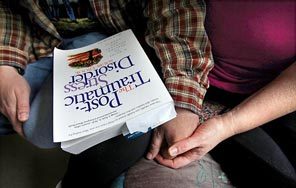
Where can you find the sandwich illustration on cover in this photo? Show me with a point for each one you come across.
(85, 59)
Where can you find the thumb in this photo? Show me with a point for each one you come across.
(23, 105)
(183, 146)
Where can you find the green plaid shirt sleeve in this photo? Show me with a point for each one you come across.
(14, 39)
(176, 32)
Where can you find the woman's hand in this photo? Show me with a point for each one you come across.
(171, 132)
(204, 138)
(14, 97)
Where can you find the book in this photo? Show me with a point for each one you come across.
(106, 89)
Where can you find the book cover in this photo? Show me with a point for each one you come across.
(105, 89)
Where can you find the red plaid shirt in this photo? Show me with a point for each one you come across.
(174, 29)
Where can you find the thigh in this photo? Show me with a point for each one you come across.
(37, 73)
(254, 159)
(37, 128)
(204, 173)
(101, 164)
(283, 131)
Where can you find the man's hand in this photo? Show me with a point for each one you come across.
(204, 138)
(14, 97)
(171, 132)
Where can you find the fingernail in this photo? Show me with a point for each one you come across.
(149, 156)
(23, 116)
(173, 151)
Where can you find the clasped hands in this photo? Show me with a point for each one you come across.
(183, 140)
(175, 144)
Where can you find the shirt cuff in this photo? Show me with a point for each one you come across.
(13, 57)
(187, 94)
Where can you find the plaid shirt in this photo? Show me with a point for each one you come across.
(174, 29)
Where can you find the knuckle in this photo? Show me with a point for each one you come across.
(156, 137)
(10, 111)
(176, 166)
(197, 154)
(22, 92)
(157, 133)
(183, 147)
(23, 106)
(154, 146)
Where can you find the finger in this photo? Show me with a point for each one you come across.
(23, 106)
(175, 163)
(8, 109)
(155, 144)
(17, 125)
(165, 152)
(181, 160)
(184, 145)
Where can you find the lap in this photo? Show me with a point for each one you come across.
(101, 164)
(283, 132)
(204, 173)
(38, 129)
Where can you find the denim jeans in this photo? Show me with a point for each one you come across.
(39, 128)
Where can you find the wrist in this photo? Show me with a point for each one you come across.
(228, 123)
(11, 68)
(187, 114)
(180, 127)
(5, 68)
(184, 111)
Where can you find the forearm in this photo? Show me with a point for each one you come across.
(177, 33)
(271, 102)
